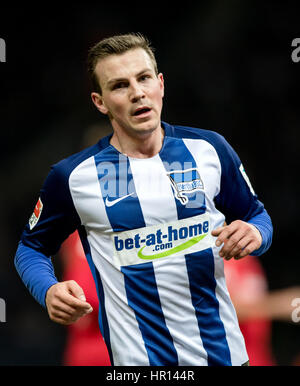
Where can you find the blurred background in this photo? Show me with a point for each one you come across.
(227, 67)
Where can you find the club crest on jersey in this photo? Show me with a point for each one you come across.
(185, 182)
(36, 214)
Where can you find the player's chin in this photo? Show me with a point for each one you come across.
(146, 127)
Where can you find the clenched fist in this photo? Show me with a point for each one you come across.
(66, 302)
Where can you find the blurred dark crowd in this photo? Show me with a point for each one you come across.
(227, 67)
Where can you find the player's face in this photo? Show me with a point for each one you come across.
(132, 93)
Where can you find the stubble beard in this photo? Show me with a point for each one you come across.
(138, 130)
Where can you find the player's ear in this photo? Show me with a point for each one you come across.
(98, 102)
(162, 83)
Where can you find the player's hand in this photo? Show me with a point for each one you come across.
(66, 302)
(239, 239)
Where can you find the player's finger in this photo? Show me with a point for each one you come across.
(63, 315)
(62, 319)
(58, 305)
(75, 290)
(247, 250)
(217, 231)
(234, 243)
(238, 248)
(72, 301)
(70, 317)
(225, 233)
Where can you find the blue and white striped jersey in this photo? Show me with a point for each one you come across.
(145, 225)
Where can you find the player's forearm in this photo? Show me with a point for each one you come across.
(36, 271)
(263, 223)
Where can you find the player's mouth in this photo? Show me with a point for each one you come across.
(142, 112)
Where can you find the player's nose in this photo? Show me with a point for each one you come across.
(136, 92)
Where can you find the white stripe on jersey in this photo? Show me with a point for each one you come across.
(179, 312)
(156, 207)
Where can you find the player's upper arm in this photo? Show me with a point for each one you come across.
(54, 217)
(236, 199)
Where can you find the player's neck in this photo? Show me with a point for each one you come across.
(144, 145)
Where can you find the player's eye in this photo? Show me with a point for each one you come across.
(119, 85)
(144, 77)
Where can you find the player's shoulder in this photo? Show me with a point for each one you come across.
(64, 167)
(188, 132)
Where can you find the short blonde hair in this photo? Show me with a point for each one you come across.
(116, 45)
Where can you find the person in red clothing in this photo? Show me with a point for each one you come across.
(256, 306)
(247, 286)
(84, 345)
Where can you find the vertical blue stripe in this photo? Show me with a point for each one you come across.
(102, 317)
(200, 268)
(143, 298)
(116, 181)
(176, 156)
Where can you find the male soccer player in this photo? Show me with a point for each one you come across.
(150, 202)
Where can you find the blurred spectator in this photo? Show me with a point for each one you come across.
(256, 306)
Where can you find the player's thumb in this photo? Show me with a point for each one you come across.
(76, 290)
